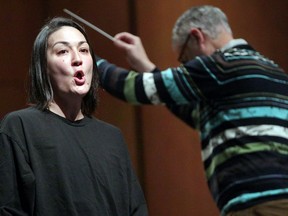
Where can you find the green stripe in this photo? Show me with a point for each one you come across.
(129, 88)
(248, 148)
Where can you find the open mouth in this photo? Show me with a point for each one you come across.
(79, 75)
(79, 78)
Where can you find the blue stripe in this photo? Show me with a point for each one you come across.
(279, 100)
(242, 113)
(100, 61)
(248, 197)
(249, 181)
(172, 87)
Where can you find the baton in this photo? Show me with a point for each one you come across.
(89, 24)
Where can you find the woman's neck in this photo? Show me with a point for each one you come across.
(70, 111)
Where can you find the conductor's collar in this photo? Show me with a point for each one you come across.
(233, 43)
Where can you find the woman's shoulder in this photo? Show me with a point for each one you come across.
(104, 125)
(22, 113)
(17, 117)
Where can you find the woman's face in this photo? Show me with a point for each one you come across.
(69, 63)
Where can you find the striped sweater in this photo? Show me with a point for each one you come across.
(238, 100)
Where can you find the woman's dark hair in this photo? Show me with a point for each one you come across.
(40, 92)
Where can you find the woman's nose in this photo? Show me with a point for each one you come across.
(76, 59)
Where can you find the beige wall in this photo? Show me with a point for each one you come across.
(164, 151)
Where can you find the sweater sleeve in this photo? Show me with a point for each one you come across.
(170, 86)
(157, 87)
(17, 182)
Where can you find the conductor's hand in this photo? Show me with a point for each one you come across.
(134, 51)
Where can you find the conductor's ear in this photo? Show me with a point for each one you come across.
(197, 34)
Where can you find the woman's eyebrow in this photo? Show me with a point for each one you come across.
(66, 43)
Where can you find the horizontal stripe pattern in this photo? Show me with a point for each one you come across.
(243, 113)
(236, 133)
(244, 149)
(248, 197)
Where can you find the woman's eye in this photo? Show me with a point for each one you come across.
(85, 50)
(60, 52)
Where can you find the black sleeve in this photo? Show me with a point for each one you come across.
(17, 181)
(137, 201)
(138, 206)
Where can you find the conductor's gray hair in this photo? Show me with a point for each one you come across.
(211, 20)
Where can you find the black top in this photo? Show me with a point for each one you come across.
(52, 166)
